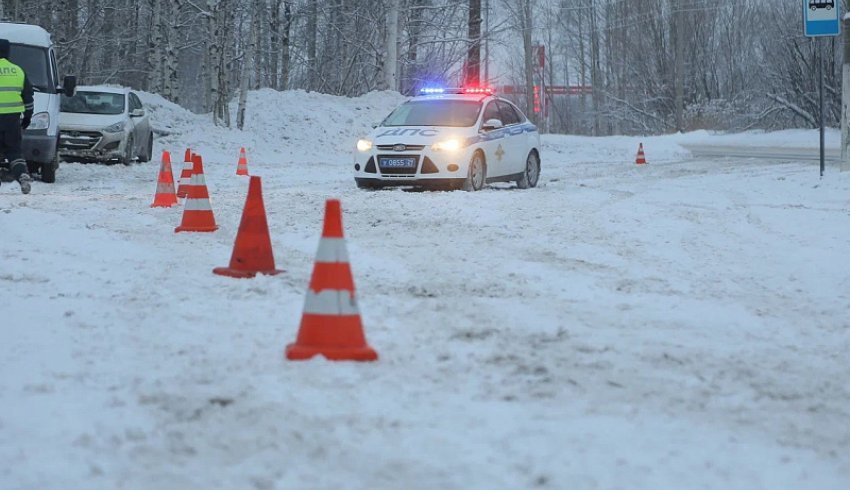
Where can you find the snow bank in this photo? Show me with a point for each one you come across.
(279, 125)
(789, 138)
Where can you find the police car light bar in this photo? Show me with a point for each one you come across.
(464, 90)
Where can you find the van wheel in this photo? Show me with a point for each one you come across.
(48, 170)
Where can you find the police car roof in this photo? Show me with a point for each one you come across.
(25, 34)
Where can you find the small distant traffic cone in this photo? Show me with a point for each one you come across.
(242, 166)
(331, 324)
(252, 252)
(165, 196)
(197, 213)
(185, 174)
(641, 159)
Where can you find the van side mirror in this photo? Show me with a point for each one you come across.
(69, 85)
(137, 113)
(492, 124)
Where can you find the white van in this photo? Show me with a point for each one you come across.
(32, 50)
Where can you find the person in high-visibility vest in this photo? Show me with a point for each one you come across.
(16, 106)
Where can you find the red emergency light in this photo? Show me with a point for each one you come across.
(478, 90)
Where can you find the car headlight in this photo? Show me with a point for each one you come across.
(451, 145)
(115, 128)
(40, 121)
(364, 145)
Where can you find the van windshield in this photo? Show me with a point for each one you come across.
(35, 62)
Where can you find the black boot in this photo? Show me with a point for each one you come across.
(25, 180)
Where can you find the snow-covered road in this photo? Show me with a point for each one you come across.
(684, 324)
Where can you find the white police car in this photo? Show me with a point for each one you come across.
(450, 138)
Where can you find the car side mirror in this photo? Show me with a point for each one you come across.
(375, 125)
(492, 124)
(69, 85)
(137, 113)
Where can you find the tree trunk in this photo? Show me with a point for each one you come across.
(679, 64)
(473, 54)
(391, 64)
(312, 35)
(285, 55)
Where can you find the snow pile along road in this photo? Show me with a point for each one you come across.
(683, 324)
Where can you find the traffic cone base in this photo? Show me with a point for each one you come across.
(252, 250)
(331, 325)
(242, 274)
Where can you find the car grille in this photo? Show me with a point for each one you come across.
(79, 140)
(406, 147)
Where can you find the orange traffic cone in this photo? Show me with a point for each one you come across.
(186, 174)
(641, 159)
(165, 196)
(197, 213)
(331, 325)
(252, 252)
(242, 166)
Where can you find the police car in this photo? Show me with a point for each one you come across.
(450, 138)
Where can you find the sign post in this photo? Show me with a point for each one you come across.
(820, 19)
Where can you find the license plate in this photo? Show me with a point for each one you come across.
(398, 162)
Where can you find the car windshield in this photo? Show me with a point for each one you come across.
(35, 62)
(453, 113)
(93, 103)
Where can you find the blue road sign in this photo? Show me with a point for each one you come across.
(820, 18)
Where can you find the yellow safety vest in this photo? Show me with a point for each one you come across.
(11, 86)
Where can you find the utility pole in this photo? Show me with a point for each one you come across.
(845, 99)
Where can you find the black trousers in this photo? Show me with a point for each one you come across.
(10, 143)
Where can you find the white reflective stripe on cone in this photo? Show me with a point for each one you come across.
(198, 179)
(332, 250)
(164, 187)
(198, 205)
(331, 302)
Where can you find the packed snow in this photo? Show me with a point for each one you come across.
(679, 325)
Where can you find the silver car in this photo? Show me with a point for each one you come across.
(104, 123)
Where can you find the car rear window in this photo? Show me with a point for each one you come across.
(452, 113)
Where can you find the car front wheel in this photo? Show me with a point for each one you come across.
(477, 173)
(127, 158)
(532, 172)
(148, 153)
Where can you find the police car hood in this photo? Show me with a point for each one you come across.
(416, 135)
(88, 121)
